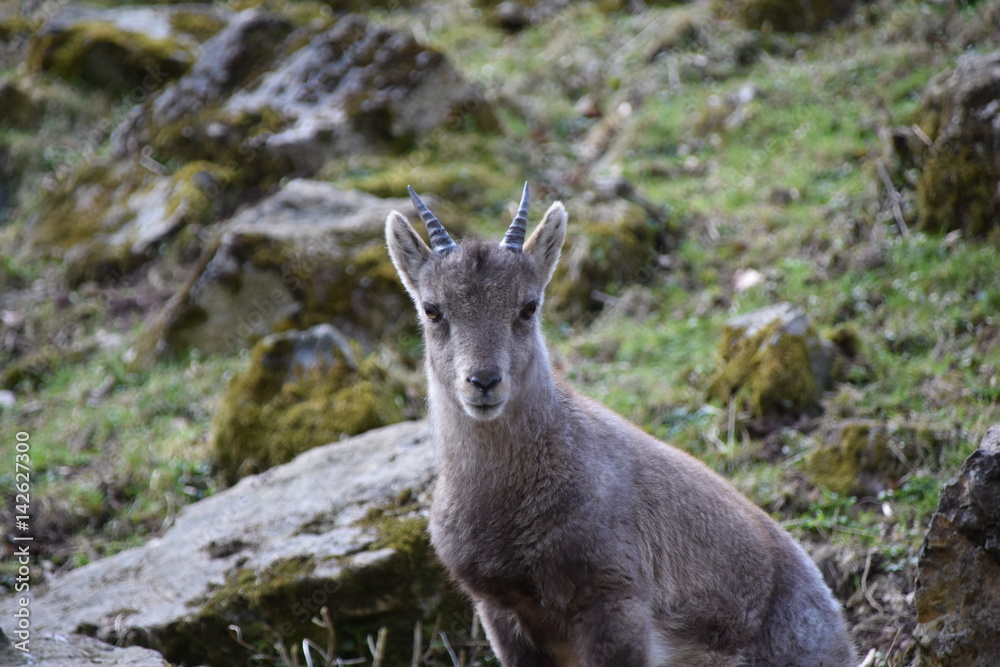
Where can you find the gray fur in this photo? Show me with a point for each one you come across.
(583, 540)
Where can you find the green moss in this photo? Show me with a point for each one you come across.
(104, 56)
(609, 248)
(768, 372)
(262, 603)
(187, 139)
(358, 289)
(276, 604)
(267, 418)
(868, 457)
(255, 588)
(200, 25)
(957, 187)
(478, 181)
(202, 189)
(74, 212)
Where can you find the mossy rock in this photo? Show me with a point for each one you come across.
(959, 171)
(787, 15)
(866, 457)
(309, 254)
(302, 389)
(772, 362)
(21, 110)
(106, 219)
(343, 526)
(359, 88)
(393, 591)
(106, 57)
(613, 244)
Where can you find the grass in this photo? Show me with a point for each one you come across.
(115, 453)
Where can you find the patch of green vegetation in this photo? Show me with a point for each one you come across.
(98, 485)
(106, 57)
(769, 372)
(870, 457)
(273, 411)
(200, 25)
(465, 169)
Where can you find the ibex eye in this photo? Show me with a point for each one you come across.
(528, 311)
(433, 312)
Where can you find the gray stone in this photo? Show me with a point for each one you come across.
(73, 650)
(309, 254)
(257, 103)
(327, 529)
(958, 573)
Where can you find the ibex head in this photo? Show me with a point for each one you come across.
(478, 303)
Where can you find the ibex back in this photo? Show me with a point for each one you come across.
(583, 540)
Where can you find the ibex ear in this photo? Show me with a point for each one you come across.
(407, 251)
(546, 241)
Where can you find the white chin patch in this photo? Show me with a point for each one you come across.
(483, 412)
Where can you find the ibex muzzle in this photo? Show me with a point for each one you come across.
(584, 541)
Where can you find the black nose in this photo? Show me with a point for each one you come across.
(484, 378)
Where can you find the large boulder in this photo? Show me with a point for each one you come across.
(309, 254)
(342, 526)
(772, 361)
(346, 88)
(108, 218)
(958, 573)
(123, 50)
(301, 390)
(959, 182)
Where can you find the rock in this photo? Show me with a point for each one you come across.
(20, 109)
(342, 526)
(865, 457)
(773, 361)
(309, 254)
(108, 219)
(614, 244)
(75, 650)
(302, 389)
(122, 49)
(788, 15)
(347, 88)
(958, 572)
(960, 170)
(174, 120)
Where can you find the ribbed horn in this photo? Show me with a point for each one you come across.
(440, 241)
(514, 238)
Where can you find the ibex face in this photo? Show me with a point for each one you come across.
(478, 303)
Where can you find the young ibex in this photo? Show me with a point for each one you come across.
(583, 540)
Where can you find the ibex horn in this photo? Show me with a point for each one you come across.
(440, 241)
(514, 238)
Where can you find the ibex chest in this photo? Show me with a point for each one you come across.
(500, 545)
